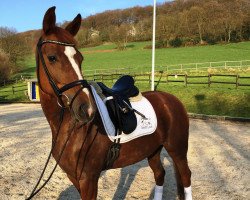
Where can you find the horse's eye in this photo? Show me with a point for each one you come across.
(52, 58)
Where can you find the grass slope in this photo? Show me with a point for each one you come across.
(107, 57)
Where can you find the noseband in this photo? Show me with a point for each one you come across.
(58, 91)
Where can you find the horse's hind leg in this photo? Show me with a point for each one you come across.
(183, 175)
(155, 164)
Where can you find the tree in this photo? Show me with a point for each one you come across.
(230, 21)
(197, 17)
(119, 35)
(144, 30)
(83, 37)
(214, 24)
(6, 68)
(13, 45)
(167, 28)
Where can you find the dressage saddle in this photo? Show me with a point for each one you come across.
(124, 87)
(118, 105)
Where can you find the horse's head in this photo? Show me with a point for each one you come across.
(59, 67)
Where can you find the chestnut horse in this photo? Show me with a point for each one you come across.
(80, 144)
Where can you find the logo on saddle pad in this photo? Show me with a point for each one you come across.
(146, 123)
(145, 126)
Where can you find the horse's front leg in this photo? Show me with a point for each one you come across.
(88, 187)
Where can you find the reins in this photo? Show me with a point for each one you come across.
(59, 93)
(34, 191)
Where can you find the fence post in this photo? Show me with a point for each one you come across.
(185, 80)
(237, 81)
(181, 67)
(13, 91)
(209, 80)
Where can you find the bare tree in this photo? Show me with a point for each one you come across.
(119, 35)
(83, 37)
(197, 17)
(13, 45)
(6, 68)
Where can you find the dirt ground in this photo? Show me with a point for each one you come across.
(218, 157)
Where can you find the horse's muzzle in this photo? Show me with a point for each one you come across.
(82, 113)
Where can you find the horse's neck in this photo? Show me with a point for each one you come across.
(51, 111)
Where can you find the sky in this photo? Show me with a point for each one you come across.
(26, 15)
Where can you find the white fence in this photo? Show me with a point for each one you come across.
(190, 67)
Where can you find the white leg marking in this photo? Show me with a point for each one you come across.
(188, 193)
(158, 192)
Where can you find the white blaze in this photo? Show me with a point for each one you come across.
(70, 52)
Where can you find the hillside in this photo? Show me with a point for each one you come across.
(135, 56)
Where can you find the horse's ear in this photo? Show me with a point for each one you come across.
(49, 20)
(74, 26)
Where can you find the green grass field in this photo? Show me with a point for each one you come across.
(107, 57)
(136, 56)
(224, 101)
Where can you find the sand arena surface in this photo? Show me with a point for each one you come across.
(218, 155)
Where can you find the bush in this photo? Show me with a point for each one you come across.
(177, 42)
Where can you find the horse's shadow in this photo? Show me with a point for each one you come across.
(127, 177)
(70, 193)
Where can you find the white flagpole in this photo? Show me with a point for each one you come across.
(153, 49)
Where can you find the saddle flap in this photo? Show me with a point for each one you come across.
(144, 126)
(121, 114)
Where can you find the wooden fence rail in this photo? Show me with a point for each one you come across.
(178, 78)
(185, 79)
(15, 89)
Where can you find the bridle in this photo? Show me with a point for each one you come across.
(58, 91)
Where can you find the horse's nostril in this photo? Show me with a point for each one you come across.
(83, 108)
(81, 112)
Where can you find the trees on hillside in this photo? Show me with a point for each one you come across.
(120, 35)
(13, 48)
(13, 44)
(198, 21)
(6, 67)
